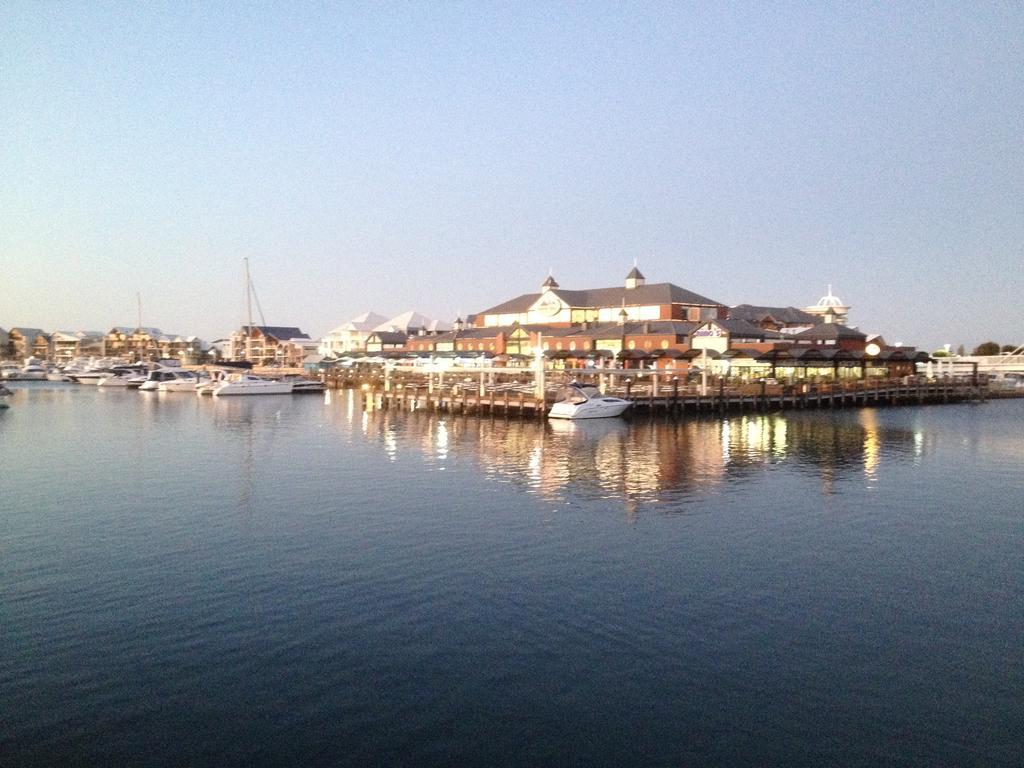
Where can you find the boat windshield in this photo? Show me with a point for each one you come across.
(576, 395)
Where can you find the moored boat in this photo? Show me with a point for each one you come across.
(130, 376)
(247, 384)
(159, 376)
(185, 381)
(300, 384)
(578, 401)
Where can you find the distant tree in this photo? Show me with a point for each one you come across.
(1009, 347)
(960, 350)
(940, 353)
(986, 348)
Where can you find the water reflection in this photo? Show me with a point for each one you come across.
(653, 461)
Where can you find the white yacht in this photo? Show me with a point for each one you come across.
(185, 381)
(301, 384)
(32, 372)
(578, 401)
(247, 384)
(9, 371)
(131, 376)
(158, 377)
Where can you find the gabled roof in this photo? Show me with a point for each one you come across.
(29, 332)
(830, 331)
(389, 337)
(412, 320)
(789, 315)
(367, 321)
(280, 332)
(642, 295)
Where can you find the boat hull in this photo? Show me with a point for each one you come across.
(234, 389)
(602, 408)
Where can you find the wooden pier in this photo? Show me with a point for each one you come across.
(480, 392)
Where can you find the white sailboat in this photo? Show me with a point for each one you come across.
(247, 383)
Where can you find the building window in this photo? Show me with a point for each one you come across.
(631, 344)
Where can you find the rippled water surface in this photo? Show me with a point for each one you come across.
(290, 580)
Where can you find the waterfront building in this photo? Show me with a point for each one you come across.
(23, 343)
(294, 352)
(219, 349)
(67, 345)
(139, 343)
(263, 344)
(636, 301)
(386, 341)
(350, 336)
(150, 344)
(830, 334)
(188, 350)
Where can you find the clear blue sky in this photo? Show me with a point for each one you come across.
(443, 156)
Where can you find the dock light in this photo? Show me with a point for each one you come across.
(366, 387)
(872, 349)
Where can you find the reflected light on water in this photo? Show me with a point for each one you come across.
(657, 462)
(872, 443)
(441, 440)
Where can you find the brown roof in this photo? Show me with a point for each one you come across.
(830, 331)
(755, 314)
(646, 295)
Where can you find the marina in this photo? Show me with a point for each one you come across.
(512, 385)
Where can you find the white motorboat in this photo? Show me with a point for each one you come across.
(578, 401)
(131, 376)
(9, 371)
(301, 384)
(212, 378)
(32, 372)
(158, 377)
(247, 384)
(186, 381)
(92, 376)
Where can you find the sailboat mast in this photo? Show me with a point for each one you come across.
(248, 311)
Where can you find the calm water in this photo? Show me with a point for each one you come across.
(290, 580)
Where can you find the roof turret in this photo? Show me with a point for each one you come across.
(635, 278)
